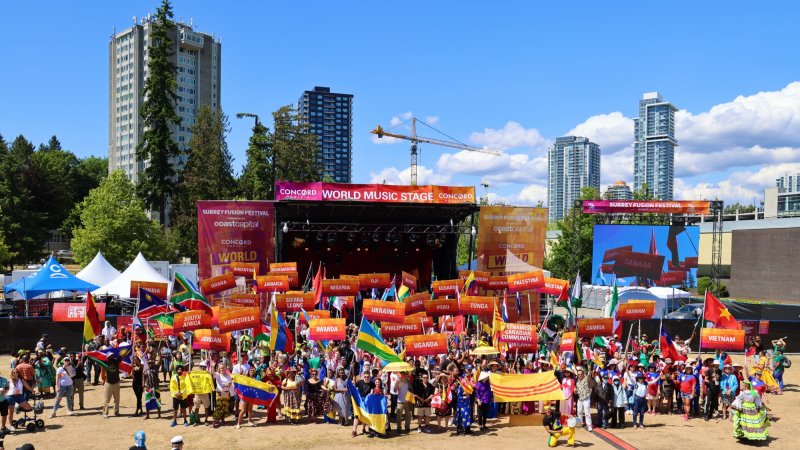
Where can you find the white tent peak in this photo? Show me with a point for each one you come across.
(99, 271)
(139, 270)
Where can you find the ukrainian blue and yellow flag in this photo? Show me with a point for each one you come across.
(370, 340)
(254, 391)
(370, 410)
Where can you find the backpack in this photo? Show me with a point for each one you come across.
(786, 363)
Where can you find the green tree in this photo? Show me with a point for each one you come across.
(88, 174)
(207, 175)
(579, 227)
(257, 181)
(704, 284)
(52, 144)
(5, 253)
(157, 148)
(55, 191)
(294, 148)
(742, 209)
(114, 221)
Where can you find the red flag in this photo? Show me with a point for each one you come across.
(316, 286)
(717, 312)
(653, 247)
(667, 348)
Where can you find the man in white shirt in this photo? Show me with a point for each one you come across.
(108, 331)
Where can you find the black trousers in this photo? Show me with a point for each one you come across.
(483, 414)
(712, 404)
(617, 416)
(138, 390)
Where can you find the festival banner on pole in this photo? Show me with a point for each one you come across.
(426, 344)
(519, 335)
(450, 288)
(481, 278)
(154, 287)
(75, 312)
(511, 239)
(250, 300)
(525, 281)
(316, 314)
(233, 231)
(211, 340)
(340, 287)
(239, 319)
(646, 206)
(378, 193)
(191, 320)
(219, 283)
(721, 339)
(567, 342)
(408, 280)
(497, 283)
(393, 330)
(416, 303)
(244, 269)
(383, 311)
(642, 309)
(294, 301)
(441, 307)
(327, 329)
(552, 286)
(283, 267)
(478, 306)
(374, 281)
(272, 283)
(596, 327)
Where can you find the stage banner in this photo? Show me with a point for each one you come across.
(567, 342)
(596, 327)
(239, 319)
(646, 206)
(272, 283)
(191, 320)
(552, 286)
(393, 330)
(478, 306)
(416, 303)
(497, 283)
(211, 340)
(316, 314)
(520, 335)
(294, 278)
(233, 231)
(444, 288)
(481, 278)
(378, 193)
(219, 283)
(721, 339)
(244, 269)
(75, 312)
(340, 287)
(154, 287)
(250, 300)
(294, 301)
(383, 311)
(511, 240)
(426, 344)
(327, 329)
(374, 280)
(638, 310)
(284, 267)
(408, 280)
(441, 307)
(525, 281)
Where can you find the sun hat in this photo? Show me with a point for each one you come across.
(177, 440)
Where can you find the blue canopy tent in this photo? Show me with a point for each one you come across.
(50, 278)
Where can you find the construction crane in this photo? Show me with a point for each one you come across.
(379, 131)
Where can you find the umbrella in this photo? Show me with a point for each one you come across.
(485, 350)
(398, 366)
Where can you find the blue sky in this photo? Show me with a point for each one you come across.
(511, 76)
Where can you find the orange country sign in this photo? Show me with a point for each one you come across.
(525, 281)
(245, 269)
(478, 306)
(244, 299)
(294, 279)
(481, 278)
(392, 330)
(283, 267)
(272, 283)
(552, 286)
(340, 287)
(567, 342)
(722, 339)
(211, 340)
(441, 307)
(416, 303)
(374, 280)
(447, 287)
(408, 280)
(595, 327)
(239, 319)
(383, 311)
(327, 329)
(421, 318)
(316, 314)
(497, 283)
(521, 335)
(218, 284)
(426, 344)
(191, 320)
(155, 288)
(294, 301)
(643, 309)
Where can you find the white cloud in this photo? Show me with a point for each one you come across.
(395, 122)
(689, 164)
(431, 120)
(400, 118)
(503, 168)
(392, 175)
(529, 195)
(512, 135)
(612, 132)
(740, 186)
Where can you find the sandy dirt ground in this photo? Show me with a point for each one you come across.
(88, 430)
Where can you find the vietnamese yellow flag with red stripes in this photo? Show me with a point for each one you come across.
(526, 387)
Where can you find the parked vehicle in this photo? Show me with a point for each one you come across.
(691, 311)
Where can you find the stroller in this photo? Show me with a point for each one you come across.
(30, 423)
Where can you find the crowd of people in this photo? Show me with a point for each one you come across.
(449, 392)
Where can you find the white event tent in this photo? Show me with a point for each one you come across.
(139, 270)
(99, 271)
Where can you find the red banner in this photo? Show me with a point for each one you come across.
(393, 330)
(233, 231)
(481, 278)
(239, 319)
(521, 335)
(567, 342)
(272, 283)
(690, 262)
(75, 312)
(596, 327)
(340, 287)
(243, 269)
(612, 253)
(284, 267)
(637, 310)
(478, 306)
(646, 206)
(218, 284)
(441, 307)
(294, 301)
(383, 311)
(379, 193)
(552, 286)
(327, 329)
(250, 300)
(409, 281)
(416, 303)
(426, 344)
(316, 314)
(630, 264)
(672, 278)
(525, 281)
(155, 288)
(447, 287)
(374, 280)
(722, 339)
(191, 320)
(211, 340)
(497, 283)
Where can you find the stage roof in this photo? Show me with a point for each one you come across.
(371, 213)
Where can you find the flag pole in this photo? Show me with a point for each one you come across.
(703, 324)
(530, 313)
